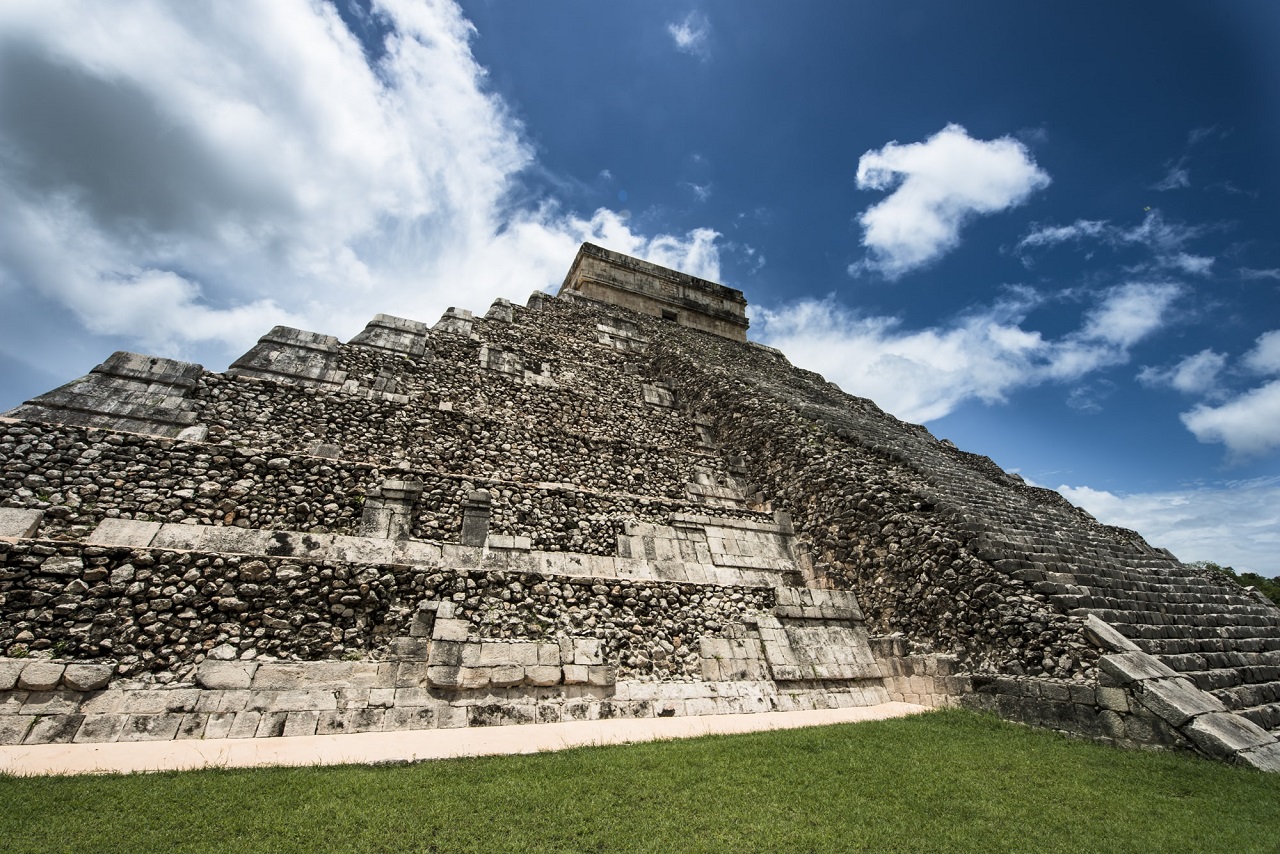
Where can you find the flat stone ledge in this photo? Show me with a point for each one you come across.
(1223, 735)
(1129, 667)
(18, 524)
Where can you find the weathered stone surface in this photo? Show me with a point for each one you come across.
(1264, 758)
(1129, 667)
(15, 523)
(1223, 734)
(585, 496)
(87, 677)
(1105, 636)
(40, 676)
(1176, 700)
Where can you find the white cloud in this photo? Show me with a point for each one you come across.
(701, 192)
(181, 177)
(1248, 425)
(922, 375)
(1264, 358)
(1196, 374)
(938, 185)
(1192, 265)
(1251, 273)
(1176, 177)
(1234, 524)
(692, 35)
(1054, 234)
(1163, 239)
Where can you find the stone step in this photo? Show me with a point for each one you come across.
(1248, 696)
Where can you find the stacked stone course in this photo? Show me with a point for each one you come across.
(563, 511)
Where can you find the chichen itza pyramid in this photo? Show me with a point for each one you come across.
(606, 503)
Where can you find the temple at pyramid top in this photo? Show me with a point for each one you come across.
(612, 277)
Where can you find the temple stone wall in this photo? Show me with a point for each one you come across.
(571, 508)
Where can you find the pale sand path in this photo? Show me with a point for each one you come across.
(409, 745)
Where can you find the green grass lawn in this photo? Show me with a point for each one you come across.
(947, 781)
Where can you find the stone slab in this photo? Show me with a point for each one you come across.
(1176, 700)
(87, 677)
(18, 524)
(40, 676)
(1223, 734)
(124, 532)
(1129, 667)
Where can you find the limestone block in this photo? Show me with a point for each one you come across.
(10, 669)
(54, 729)
(451, 630)
(19, 524)
(506, 675)
(1115, 699)
(1176, 700)
(87, 677)
(52, 703)
(410, 718)
(1264, 758)
(444, 654)
(549, 654)
(222, 675)
(409, 648)
(364, 549)
(493, 654)
(99, 729)
(1129, 667)
(159, 727)
(576, 674)
(271, 725)
(1223, 734)
(601, 675)
(192, 726)
(301, 723)
(218, 724)
(474, 677)
(245, 725)
(586, 651)
(40, 676)
(14, 728)
(412, 674)
(1105, 636)
(542, 675)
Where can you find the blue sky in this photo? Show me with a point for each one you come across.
(1048, 231)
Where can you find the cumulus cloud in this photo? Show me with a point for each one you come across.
(938, 185)
(1234, 523)
(1196, 374)
(1264, 358)
(1248, 424)
(922, 375)
(181, 177)
(692, 35)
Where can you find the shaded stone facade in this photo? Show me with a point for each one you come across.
(567, 510)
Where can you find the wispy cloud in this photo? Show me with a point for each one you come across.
(1252, 274)
(938, 185)
(925, 374)
(277, 174)
(1233, 523)
(1165, 240)
(1176, 176)
(692, 35)
(701, 192)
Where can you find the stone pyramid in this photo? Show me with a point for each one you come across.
(601, 504)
